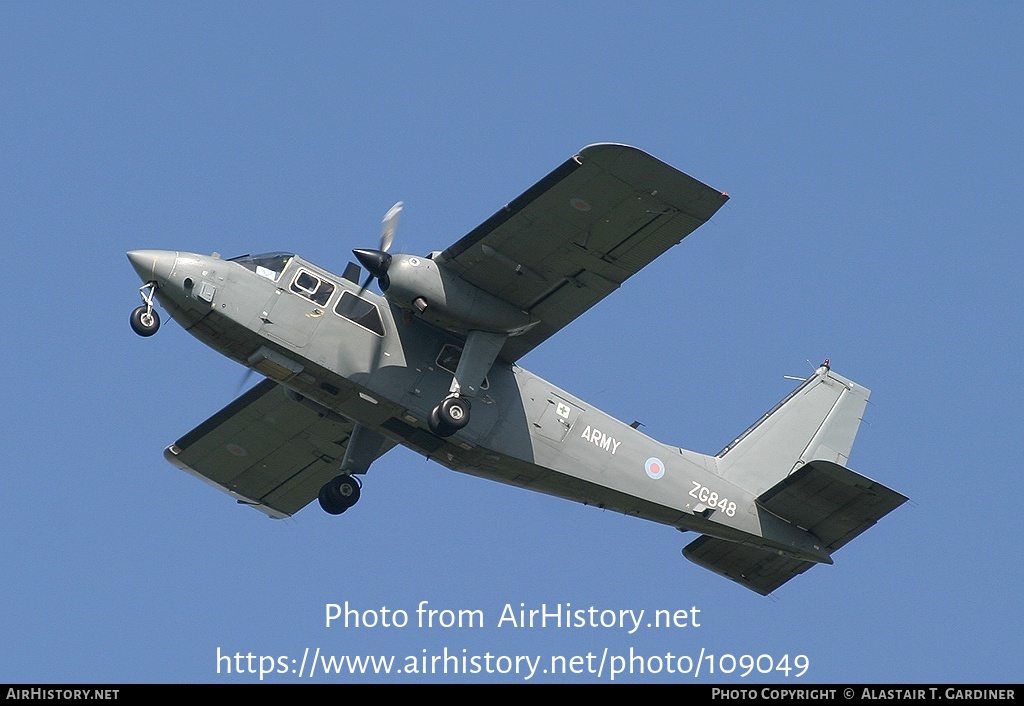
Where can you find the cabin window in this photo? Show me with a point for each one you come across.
(359, 311)
(312, 287)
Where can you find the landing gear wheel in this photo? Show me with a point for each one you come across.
(437, 426)
(339, 494)
(145, 321)
(449, 416)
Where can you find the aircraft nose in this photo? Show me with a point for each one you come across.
(153, 265)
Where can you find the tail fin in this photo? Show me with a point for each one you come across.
(817, 421)
(793, 460)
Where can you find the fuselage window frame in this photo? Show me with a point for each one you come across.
(319, 292)
(369, 319)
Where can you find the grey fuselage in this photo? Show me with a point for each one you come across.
(524, 431)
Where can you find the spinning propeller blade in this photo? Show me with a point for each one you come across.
(389, 225)
(376, 261)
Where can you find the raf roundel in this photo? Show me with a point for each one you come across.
(655, 468)
(579, 204)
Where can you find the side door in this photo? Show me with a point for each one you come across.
(298, 305)
(551, 415)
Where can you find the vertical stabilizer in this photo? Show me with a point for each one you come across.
(817, 421)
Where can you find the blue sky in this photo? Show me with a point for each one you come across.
(873, 155)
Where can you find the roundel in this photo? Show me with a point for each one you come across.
(655, 468)
(579, 204)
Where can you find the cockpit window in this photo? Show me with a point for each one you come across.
(312, 287)
(269, 265)
(359, 311)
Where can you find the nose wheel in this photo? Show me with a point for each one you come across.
(144, 319)
(450, 416)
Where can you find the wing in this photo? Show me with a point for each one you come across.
(577, 234)
(267, 450)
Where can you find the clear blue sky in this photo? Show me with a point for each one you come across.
(873, 155)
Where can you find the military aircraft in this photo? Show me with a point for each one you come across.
(432, 365)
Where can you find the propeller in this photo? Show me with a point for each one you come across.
(376, 261)
(389, 225)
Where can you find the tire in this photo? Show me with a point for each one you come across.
(329, 502)
(347, 489)
(338, 494)
(454, 412)
(145, 323)
(437, 426)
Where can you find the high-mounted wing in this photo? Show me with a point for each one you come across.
(267, 450)
(577, 234)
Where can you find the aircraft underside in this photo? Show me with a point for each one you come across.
(430, 364)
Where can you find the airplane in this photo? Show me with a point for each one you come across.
(432, 364)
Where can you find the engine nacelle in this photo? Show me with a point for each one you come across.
(442, 298)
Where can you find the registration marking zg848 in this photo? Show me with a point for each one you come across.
(712, 499)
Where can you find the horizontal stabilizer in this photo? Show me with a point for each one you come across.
(758, 569)
(823, 498)
(831, 502)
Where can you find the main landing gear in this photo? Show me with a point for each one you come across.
(363, 447)
(144, 320)
(339, 494)
(474, 360)
(450, 416)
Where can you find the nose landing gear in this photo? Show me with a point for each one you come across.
(144, 320)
